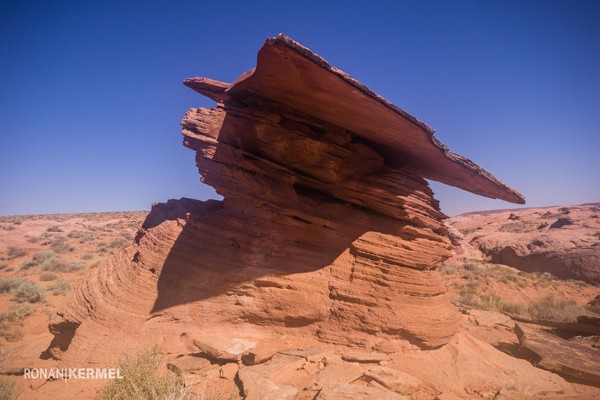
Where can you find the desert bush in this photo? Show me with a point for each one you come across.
(14, 252)
(2, 266)
(32, 239)
(44, 256)
(56, 265)
(60, 288)
(10, 284)
(548, 308)
(21, 311)
(8, 390)
(118, 243)
(48, 276)
(28, 265)
(10, 322)
(74, 266)
(29, 292)
(493, 302)
(54, 228)
(87, 256)
(60, 245)
(141, 380)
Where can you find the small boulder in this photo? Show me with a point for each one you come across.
(562, 221)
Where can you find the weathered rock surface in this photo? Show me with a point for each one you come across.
(563, 241)
(559, 355)
(327, 231)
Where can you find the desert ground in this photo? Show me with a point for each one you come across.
(42, 257)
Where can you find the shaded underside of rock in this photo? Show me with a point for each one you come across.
(327, 228)
(559, 355)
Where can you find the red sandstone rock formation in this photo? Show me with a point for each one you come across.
(327, 227)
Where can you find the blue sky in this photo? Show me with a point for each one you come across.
(91, 93)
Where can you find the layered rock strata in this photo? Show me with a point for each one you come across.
(327, 228)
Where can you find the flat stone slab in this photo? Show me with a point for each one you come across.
(339, 373)
(394, 380)
(312, 354)
(224, 348)
(353, 392)
(364, 357)
(559, 355)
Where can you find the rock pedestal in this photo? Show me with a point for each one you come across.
(327, 228)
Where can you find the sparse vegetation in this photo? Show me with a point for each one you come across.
(477, 279)
(15, 252)
(54, 228)
(61, 287)
(60, 245)
(11, 322)
(29, 292)
(10, 284)
(141, 380)
(48, 276)
(8, 391)
(548, 308)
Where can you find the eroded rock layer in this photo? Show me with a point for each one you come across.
(322, 231)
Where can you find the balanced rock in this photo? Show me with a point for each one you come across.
(327, 229)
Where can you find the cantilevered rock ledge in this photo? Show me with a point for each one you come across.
(293, 76)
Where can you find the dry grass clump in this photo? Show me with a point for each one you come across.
(11, 322)
(29, 292)
(15, 252)
(549, 309)
(141, 380)
(8, 390)
(474, 291)
(61, 287)
(48, 276)
(10, 284)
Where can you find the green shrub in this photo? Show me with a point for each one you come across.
(48, 276)
(29, 292)
(141, 380)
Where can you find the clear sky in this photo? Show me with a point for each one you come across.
(91, 92)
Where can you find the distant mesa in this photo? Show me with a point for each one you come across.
(328, 228)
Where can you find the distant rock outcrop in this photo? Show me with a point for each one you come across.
(327, 229)
(563, 241)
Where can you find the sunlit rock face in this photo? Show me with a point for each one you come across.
(327, 229)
